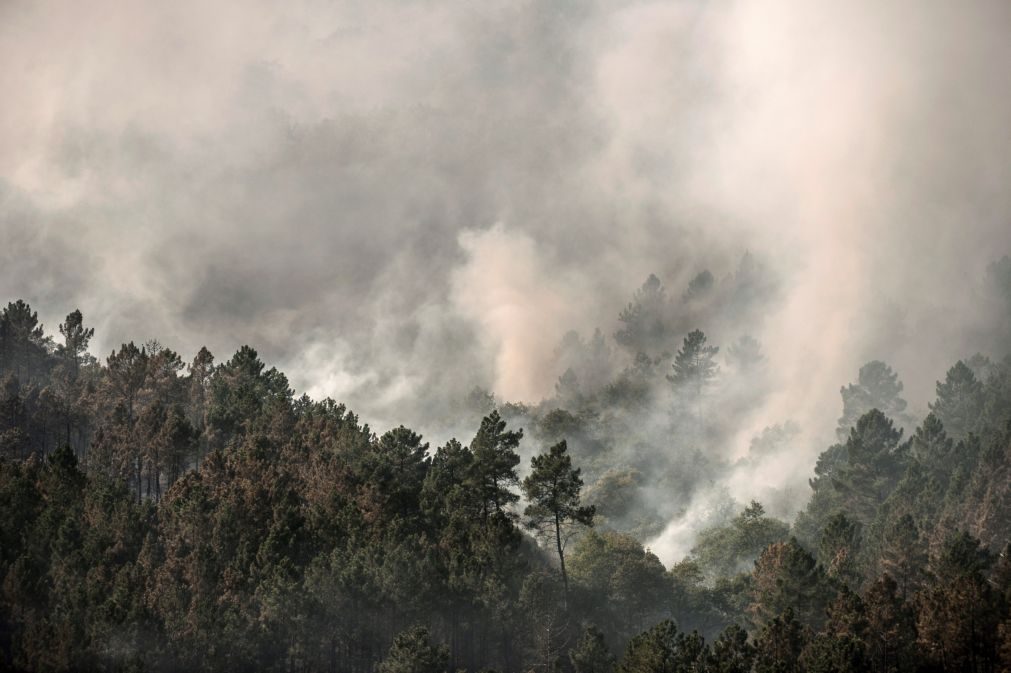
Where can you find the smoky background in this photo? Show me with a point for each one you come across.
(396, 203)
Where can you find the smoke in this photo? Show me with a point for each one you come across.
(397, 201)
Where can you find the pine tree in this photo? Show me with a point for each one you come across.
(779, 645)
(694, 369)
(644, 321)
(23, 344)
(732, 653)
(413, 652)
(201, 370)
(785, 577)
(839, 548)
(664, 649)
(873, 466)
(828, 653)
(127, 372)
(75, 340)
(745, 354)
(699, 287)
(959, 612)
(493, 469)
(959, 401)
(904, 555)
(877, 387)
(553, 491)
(590, 655)
(891, 627)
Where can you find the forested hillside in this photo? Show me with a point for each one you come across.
(162, 514)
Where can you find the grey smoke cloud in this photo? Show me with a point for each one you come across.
(396, 201)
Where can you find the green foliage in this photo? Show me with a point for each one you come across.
(645, 326)
(699, 287)
(590, 655)
(157, 517)
(904, 555)
(787, 577)
(664, 649)
(779, 645)
(839, 548)
(959, 614)
(621, 587)
(732, 653)
(493, 470)
(413, 652)
(727, 550)
(553, 492)
(959, 401)
(695, 364)
(891, 627)
(827, 653)
(877, 387)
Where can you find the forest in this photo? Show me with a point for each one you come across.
(161, 513)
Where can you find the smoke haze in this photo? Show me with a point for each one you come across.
(396, 202)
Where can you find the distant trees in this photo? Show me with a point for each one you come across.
(699, 287)
(644, 323)
(587, 366)
(745, 354)
(877, 387)
(730, 549)
(959, 400)
(694, 369)
(695, 363)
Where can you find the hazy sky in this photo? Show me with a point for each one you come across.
(395, 201)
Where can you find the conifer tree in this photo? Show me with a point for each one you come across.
(694, 369)
(644, 321)
(745, 354)
(904, 555)
(732, 653)
(873, 466)
(413, 652)
(75, 339)
(877, 387)
(779, 645)
(785, 577)
(959, 401)
(590, 655)
(493, 469)
(22, 339)
(553, 491)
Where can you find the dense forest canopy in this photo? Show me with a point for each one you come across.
(515, 336)
(169, 514)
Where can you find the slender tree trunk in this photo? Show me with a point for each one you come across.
(561, 562)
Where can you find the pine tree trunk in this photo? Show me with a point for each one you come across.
(561, 562)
